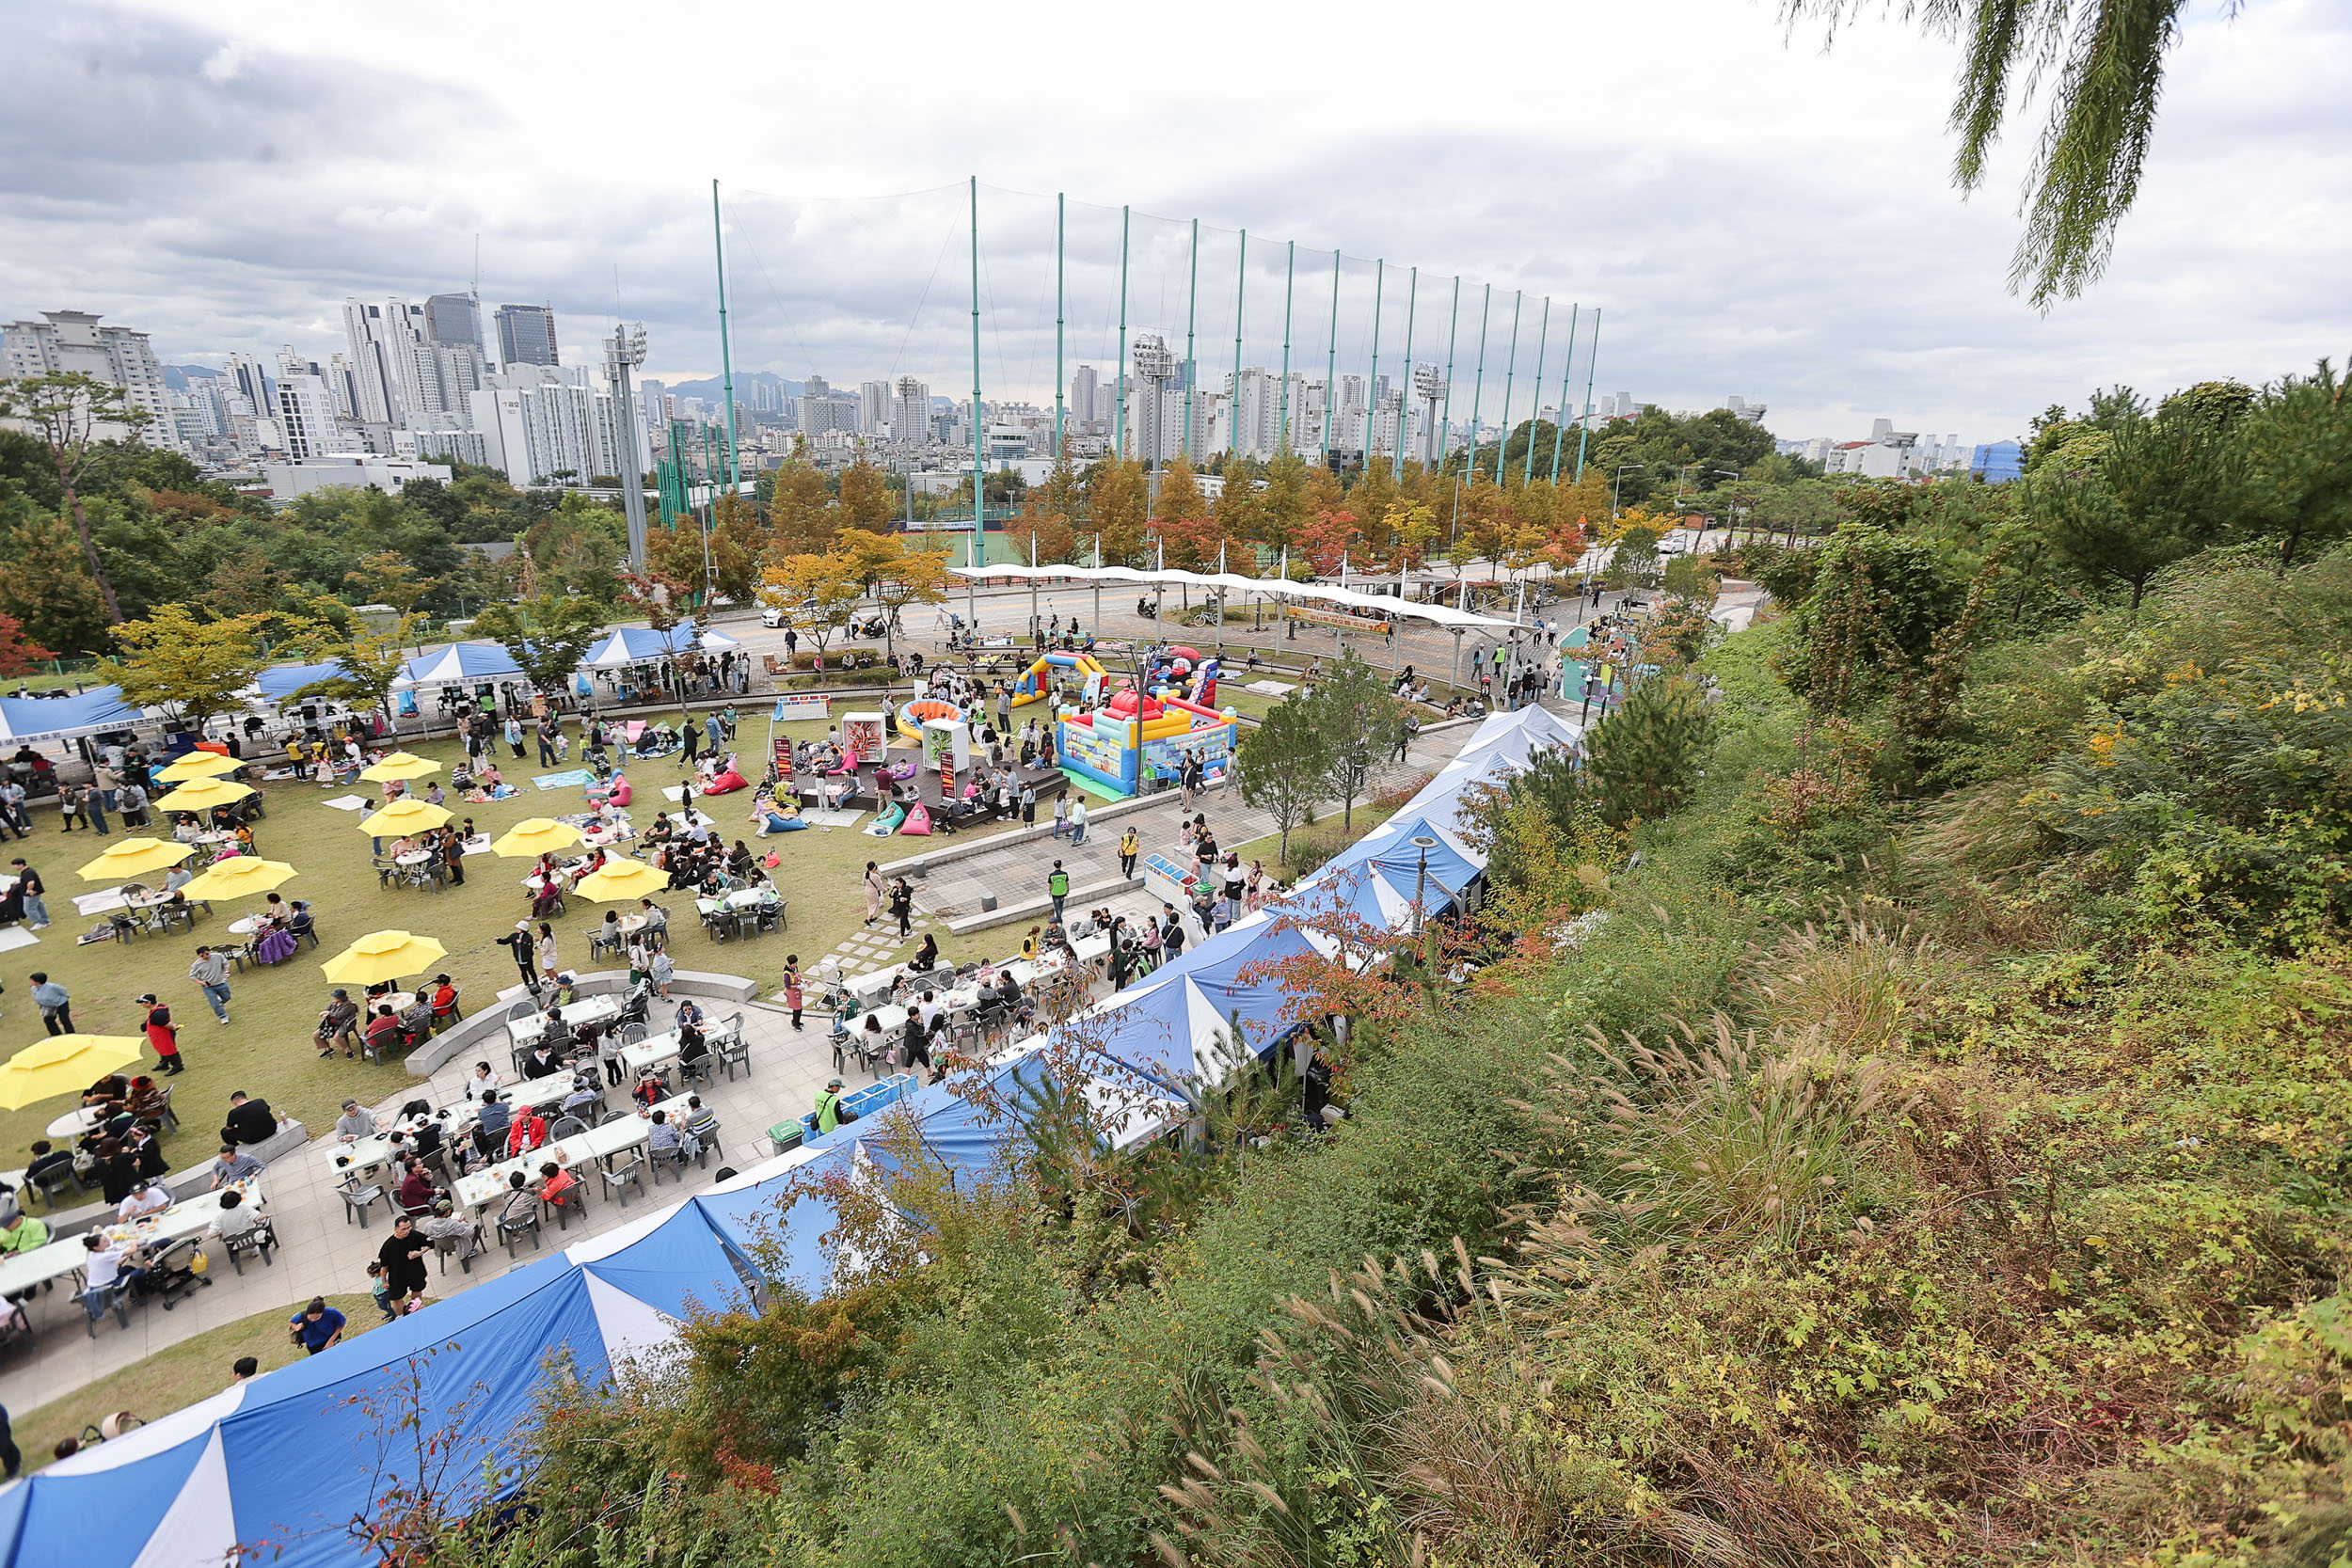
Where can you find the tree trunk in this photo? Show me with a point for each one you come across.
(89, 546)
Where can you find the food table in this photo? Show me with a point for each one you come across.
(653, 1050)
(588, 1009)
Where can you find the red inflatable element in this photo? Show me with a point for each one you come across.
(1192, 653)
(725, 783)
(1132, 703)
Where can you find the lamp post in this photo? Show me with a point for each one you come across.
(1617, 492)
(1424, 843)
(1728, 506)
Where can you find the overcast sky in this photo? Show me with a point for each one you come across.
(1750, 214)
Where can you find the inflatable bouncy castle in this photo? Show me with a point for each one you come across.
(1138, 739)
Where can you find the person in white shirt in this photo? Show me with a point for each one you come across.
(481, 1081)
(144, 1199)
(106, 1264)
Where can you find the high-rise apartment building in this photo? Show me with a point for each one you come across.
(452, 320)
(305, 417)
(65, 341)
(873, 408)
(525, 334)
(1081, 404)
(910, 413)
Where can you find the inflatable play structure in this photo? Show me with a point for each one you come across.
(1038, 677)
(913, 716)
(1192, 676)
(1137, 738)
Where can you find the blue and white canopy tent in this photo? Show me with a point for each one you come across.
(628, 645)
(91, 712)
(458, 664)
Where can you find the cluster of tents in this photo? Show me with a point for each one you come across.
(288, 1460)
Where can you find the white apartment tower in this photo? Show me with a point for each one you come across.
(910, 413)
(65, 341)
(873, 408)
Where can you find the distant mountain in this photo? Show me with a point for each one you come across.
(176, 377)
(708, 387)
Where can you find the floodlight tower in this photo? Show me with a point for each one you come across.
(1155, 366)
(623, 351)
(1431, 389)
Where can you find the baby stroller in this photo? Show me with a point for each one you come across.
(177, 1270)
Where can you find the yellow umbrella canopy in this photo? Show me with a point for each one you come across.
(238, 877)
(63, 1063)
(620, 880)
(135, 857)
(203, 795)
(382, 956)
(535, 836)
(400, 764)
(199, 765)
(405, 816)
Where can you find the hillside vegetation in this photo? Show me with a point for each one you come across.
(1940, 1153)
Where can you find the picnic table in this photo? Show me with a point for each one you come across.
(653, 1050)
(75, 1123)
(598, 1146)
(28, 1271)
(588, 1009)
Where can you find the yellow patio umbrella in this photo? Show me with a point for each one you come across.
(135, 857)
(382, 956)
(238, 877)
(199, 765)
(400, 764)
(619, 879)
(203, 795)
(405, 816)
(63, 1063)
(535, 836)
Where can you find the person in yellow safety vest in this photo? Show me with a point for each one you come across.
(831, 1111)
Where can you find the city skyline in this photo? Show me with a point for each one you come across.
(1738, 236)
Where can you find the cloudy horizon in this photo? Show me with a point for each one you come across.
(1751, 214)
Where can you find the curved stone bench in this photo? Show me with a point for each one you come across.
(490, 1022)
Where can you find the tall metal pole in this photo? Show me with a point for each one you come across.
(1478, 388)
(1192, 313)
(1118, 435)
(627, 349)
(1290, 273)
(726, 361)
(1412, 303)
(1592, 362)
(979, 421)
(1445, 410)
(1559, 426)
(1510, 374)
(1061, 388)
(1240, 285)
(1331, 363)
(1543, 341)
(1372, 376)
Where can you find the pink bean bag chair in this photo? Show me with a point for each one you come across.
(918, 823)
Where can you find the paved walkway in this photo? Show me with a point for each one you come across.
(1016, 871)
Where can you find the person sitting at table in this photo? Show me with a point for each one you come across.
(241, 835)
(491, 1123)
(1030, 943)
(146, 1098)
(144, 1199)
(926, 956)
(416, 1191)
(340, 1020)
(21, 1232)
(528, 1130)
(444, 1002)
(651, 1089)
(109, 1266)
(586, 1097)
(542, 1062)
(300, 921)
(356, 1122)
(185, 828)
(1008, 989)
(692, 1044)
(384, 1031)
(482, 1082)
(553, 1183)
(662, 1142)
(107, 1093)
(237, 1218)
(45, 1158)
(521, 1203)
(611, 935)
(417, 1022)
(443, 1225)
(117, 1170)
(174, 879)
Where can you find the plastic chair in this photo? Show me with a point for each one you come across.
(101, 1299)
(566, 1127)
(444, 1245)
(619, 1178)
(575, 1197)
(734, 1052)
(54, 1181)
(511, 1227)
(259, 1240)
(356, 1200)
(708, 1140)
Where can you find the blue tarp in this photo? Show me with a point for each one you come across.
(284, 680)
(58, 718)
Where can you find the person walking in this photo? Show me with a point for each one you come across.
(211, 974)
(1061, 815)
(693, 744)
(134, 806)
(55, 1002)
(69, 803)
(1058, 889)
(162, 1035)
(403, 1257)
(902, 905)
(1130, 845)
(515, 734)
(547, 733)
(873, 881)
(29, 884)
(106, 785)
(1077, 820)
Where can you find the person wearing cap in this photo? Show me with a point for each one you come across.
(211, 974)
(831, 1111)
(161, 1033)
(146, 1198)
(519, 941)
(444, 1226)
(355, 1123)
(340, 1020)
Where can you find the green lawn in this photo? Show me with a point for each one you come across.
(1324, 834)
(266, 1049)
(173, 1378)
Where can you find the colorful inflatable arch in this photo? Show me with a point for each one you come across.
(1033, 682)
(915, 715)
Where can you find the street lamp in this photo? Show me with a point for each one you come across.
(1424, 843)
(1735, 479)
(1617, 491)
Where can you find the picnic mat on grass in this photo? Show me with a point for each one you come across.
(14, 937)
(345, 802)
(572, 779)
(831, 819)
